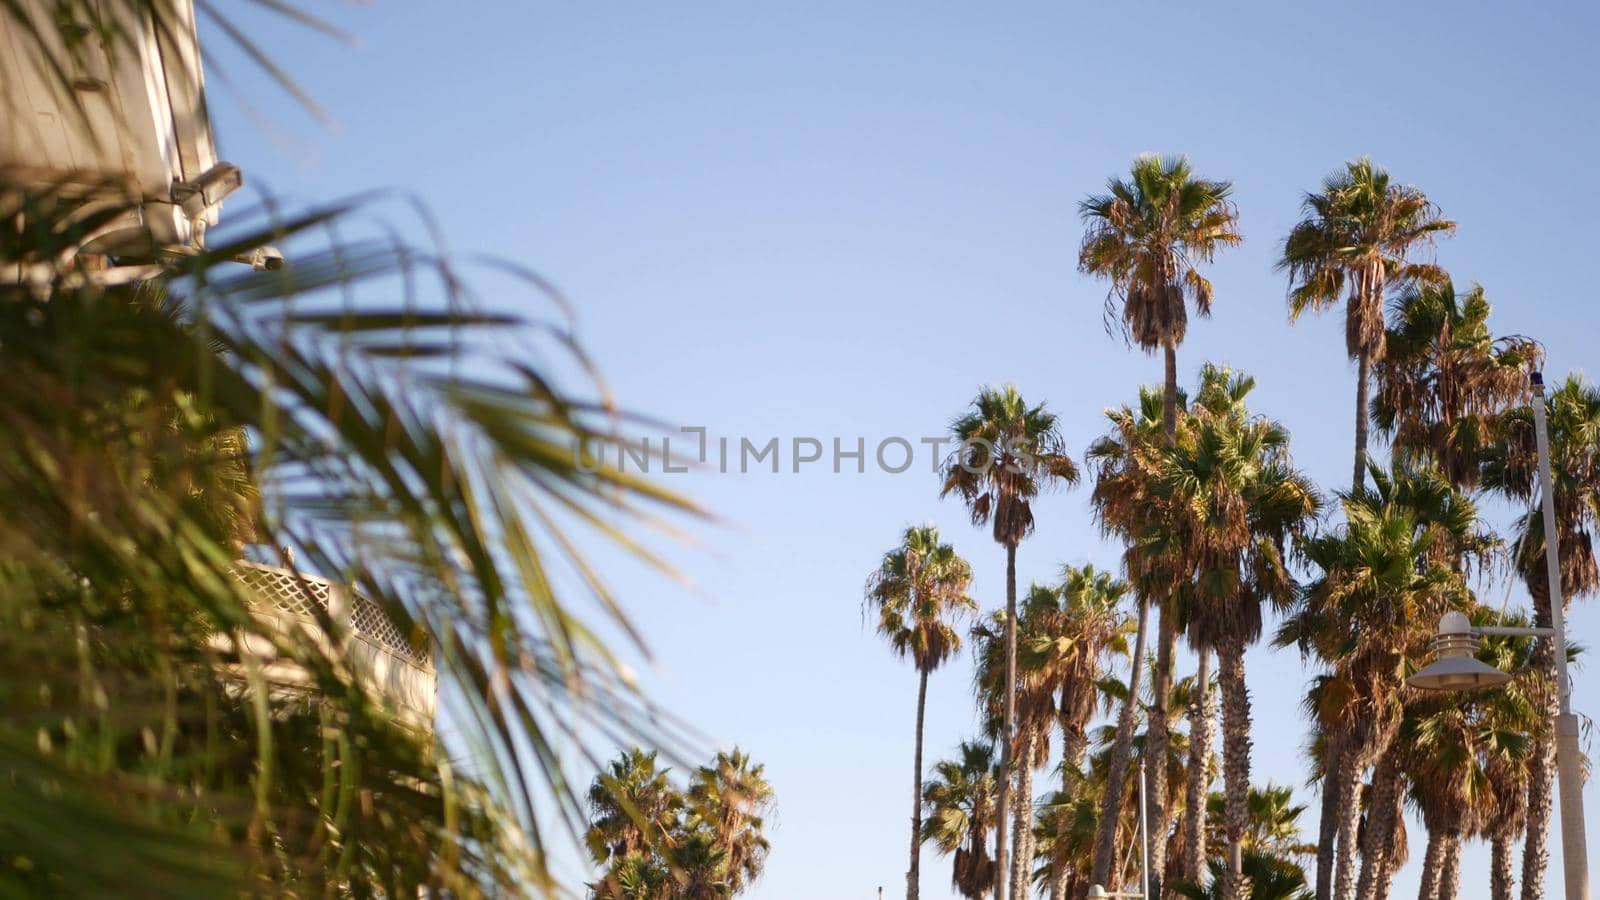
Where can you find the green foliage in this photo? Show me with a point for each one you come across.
(918, 589)
(656, 841)
(324, 409)
(1146, 235)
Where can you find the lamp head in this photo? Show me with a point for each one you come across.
(1455, 668)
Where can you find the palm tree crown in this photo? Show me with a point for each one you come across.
(1445, 380)
(1009, 453)
(1147, 234)
(918, 589)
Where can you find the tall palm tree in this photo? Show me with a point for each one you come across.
(1092, 626)
(1233, 499)
(1380, 580)
(731, 799)
(1445, 380)
(1125, 461)
(963, 806)
(1147, 235)
(1008, 453)
(918, 591)
(1510, 468)
(1355, 243)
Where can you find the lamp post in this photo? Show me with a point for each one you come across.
(1098, 891)
(1456, 669)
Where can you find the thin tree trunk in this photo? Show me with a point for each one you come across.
(1392, 861)
(1235, 762)
(1351, 764)
(1363, 386)
(1022, 821)
(1105, 845)
(1074, 750)
(1500, 862)
(1158, 735)
(1202, 713)
(1158, 739)
(1376, 847)
(1450, 868)
(1432, 866)
(1328, 824)
(916, 795)
(1541, 763)
(1008, 724)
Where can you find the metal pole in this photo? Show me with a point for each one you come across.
(1144, 837)
(1574, 844)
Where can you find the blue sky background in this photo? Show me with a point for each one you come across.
(835, 219)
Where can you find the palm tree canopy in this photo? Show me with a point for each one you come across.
(1510, 467)
(1233, 498)
(918, 589)
(1357, 236)
(731, 798)
(1445, 379)
(633, 807)
(961, 802)
(1008, 453)
(1147, 234)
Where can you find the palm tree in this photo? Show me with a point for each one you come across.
(1357, 241)
(1270, 877)
(1091, 626)
(1273, 824)
(963, 807)
(377, 461)
(633, 808)
(1510, 463)
(731, 798)
(1520, 722)
(1381, 579)
(1444, 380)
(1008, 453)
(1125, 462)
(1147, 236)
(1233, 500)
(919, 588)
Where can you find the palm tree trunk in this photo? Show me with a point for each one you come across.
(1363, 386)
(1541, 762)
(1157, 740)
(1350, 767)
(1022, 821)
(1432, 864)
(1007, 725)
(1201, 714)
(1500, 862)
(1074, 750)
(1235, 761)
(1392, 861)
(1105, 844)
(1450, 868)
(916, 795)
(1328, 824)
(1376, 847)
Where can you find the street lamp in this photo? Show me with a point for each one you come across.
(1456, 669)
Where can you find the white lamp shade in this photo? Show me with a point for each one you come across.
(1458, 673)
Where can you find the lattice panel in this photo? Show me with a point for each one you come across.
(298, 594)
(304, 595)
(371, 622)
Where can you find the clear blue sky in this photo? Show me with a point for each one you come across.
(833, 218)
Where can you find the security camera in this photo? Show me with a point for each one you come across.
(208, 190)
